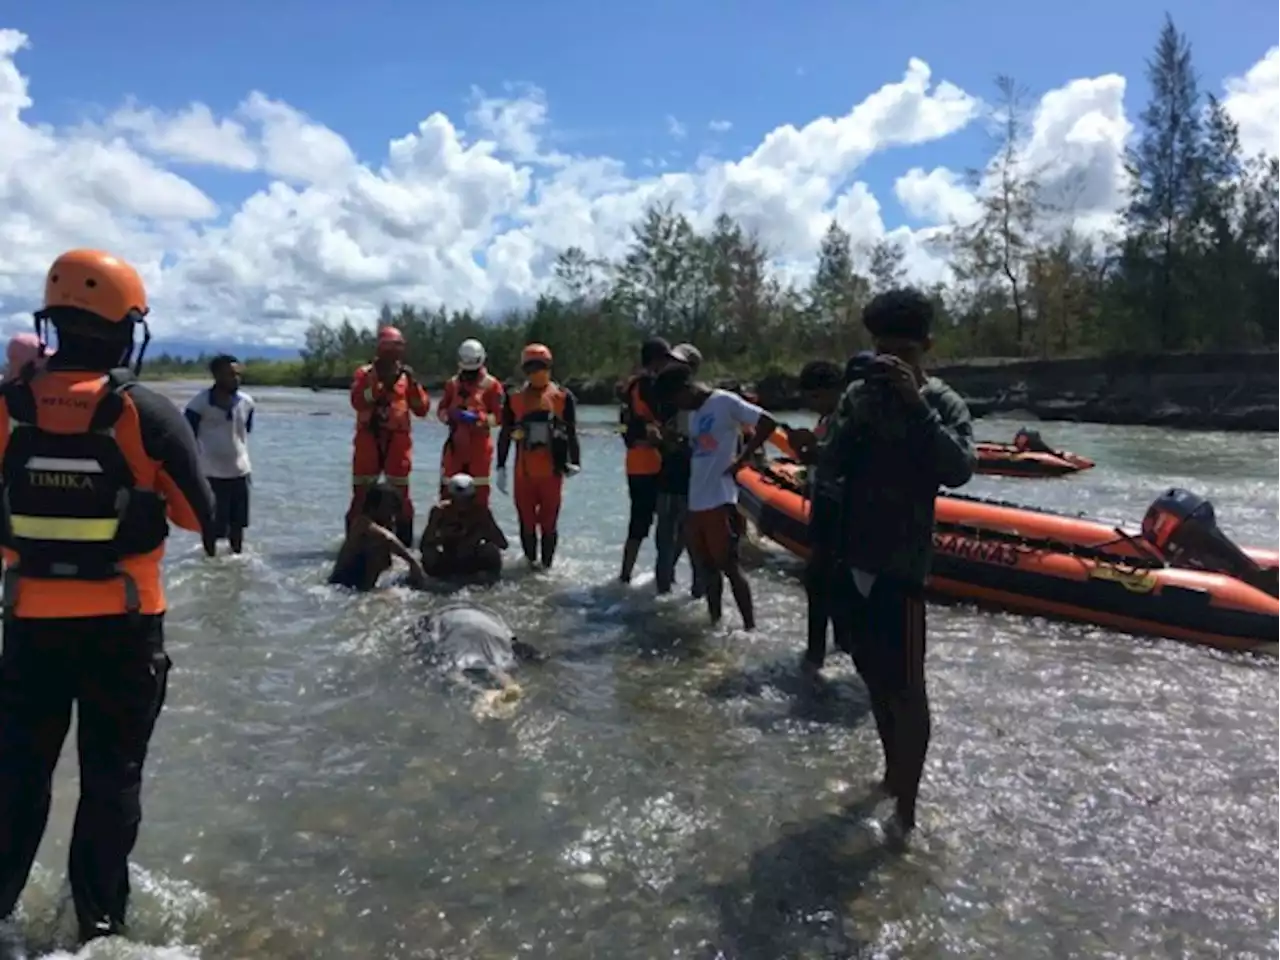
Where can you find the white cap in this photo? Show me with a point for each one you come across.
(462, 485)
(687, 354)
(471, 355)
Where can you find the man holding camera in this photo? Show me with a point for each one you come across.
(897, 435)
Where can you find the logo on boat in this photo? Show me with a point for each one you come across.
(1135, 581)
(983, 551)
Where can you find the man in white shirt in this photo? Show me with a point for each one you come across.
(222, 418)
(713, 524)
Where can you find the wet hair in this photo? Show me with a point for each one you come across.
(821, 375)
(904, 313)
(653, 350)
(381, 495)
(222, 361)
(671, 381)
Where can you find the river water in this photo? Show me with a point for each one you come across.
(663, 789)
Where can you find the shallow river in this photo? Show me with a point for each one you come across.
(664, 789)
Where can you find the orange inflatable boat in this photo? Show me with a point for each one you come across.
(1006, 460)
(1156, 580)
(998, 459)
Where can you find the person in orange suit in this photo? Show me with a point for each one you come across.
(384, 394)
(470, 408)
(542, 418)
(96, 468)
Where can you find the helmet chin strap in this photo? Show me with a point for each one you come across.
(142, 350)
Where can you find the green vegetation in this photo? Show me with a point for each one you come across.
(1194, 268)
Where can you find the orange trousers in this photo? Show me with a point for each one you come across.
(469, 455)
(538, 501)
(374, 455)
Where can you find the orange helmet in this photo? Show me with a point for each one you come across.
(536, 353)
(97, 283)
(390, 341)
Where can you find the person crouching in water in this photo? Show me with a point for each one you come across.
(713, 525)
(821, 384)
(371, 543)
(896, 437)
(673, 483)
(462, 538)
(542, 418)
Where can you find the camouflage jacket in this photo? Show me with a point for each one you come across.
(880, 466)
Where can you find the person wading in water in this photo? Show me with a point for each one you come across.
(895, 438)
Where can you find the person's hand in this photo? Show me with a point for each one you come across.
(733, 468)
(408, 372)
(653, 432)
(500, 479)
(899, 377)
(572, 470)
(417, 575)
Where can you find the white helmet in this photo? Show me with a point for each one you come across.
(462, 485)
(471, 355)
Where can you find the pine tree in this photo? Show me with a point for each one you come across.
(1166, 167)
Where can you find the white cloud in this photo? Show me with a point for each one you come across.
(720, 126)
(515, 123)
(1253, 104)
(473, 216)
(939, 196)
(676, 129)
(1074, 147)
(193, 135)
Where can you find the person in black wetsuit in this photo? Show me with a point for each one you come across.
(371, 543)
(822, 385)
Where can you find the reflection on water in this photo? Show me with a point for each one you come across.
(666, 789)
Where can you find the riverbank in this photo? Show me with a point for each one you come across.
(1205, 391)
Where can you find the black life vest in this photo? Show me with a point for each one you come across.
(72, 509)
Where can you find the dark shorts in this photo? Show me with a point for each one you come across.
(643, 490)
(712, 536)
(231, 498)
(887, 635)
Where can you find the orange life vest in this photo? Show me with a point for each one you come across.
(643, 458)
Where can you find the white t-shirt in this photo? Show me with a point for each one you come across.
(714, 431)
(223, 434)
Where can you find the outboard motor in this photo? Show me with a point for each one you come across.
(1182, 526)
(1030, 441)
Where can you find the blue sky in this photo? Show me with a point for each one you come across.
(612, 75)
(612, 72)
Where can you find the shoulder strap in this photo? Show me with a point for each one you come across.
(119, 382)
(20, 400)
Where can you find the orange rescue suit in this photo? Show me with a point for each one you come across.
(643, 458)
(469, 447)
(383, 443)
(539, 486)
(66, 404)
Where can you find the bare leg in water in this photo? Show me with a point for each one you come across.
(741, 593)
(890, 655)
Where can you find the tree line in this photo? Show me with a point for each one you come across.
(1191, 267)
